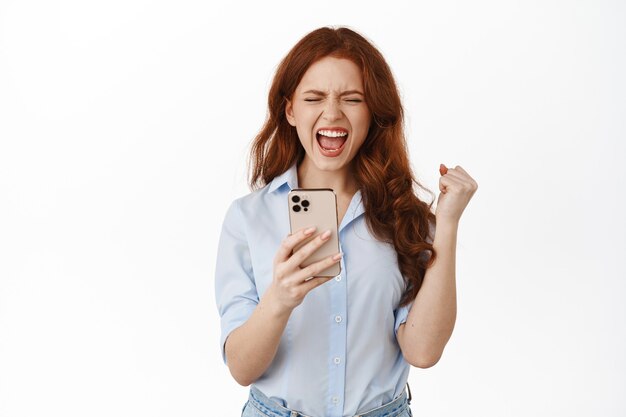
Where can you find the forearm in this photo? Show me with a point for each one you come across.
(251, 347)
(431, 320)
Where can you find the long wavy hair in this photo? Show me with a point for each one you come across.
(381, 167)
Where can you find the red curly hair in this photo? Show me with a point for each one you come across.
(381, 167)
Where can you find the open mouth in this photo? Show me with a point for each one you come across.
(331, 142)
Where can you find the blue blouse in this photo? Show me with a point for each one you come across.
(339, 355)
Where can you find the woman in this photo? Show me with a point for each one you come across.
(338, 346)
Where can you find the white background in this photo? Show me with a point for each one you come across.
(124, 130)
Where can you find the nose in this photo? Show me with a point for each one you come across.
(332, 110)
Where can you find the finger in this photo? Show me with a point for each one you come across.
(446, 182)
(457, 174)
(290, 242)
(443, 169)
(317, 267)
(465, 180)
(307, 250)
(315, 282)
(458, 168)
(471, 180)
(450, 180)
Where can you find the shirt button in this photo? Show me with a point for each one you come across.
(338, 278)
(337, 361)
(338, 319)
(335, 400)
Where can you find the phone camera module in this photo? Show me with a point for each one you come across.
(296, 208)
(305, 203)
(295, 199)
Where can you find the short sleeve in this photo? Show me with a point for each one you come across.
(235, 290)
(401, 315)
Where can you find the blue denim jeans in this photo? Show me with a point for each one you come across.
(258, 405)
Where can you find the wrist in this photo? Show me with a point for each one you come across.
(446, 232)
(273, 304)
(447, 222)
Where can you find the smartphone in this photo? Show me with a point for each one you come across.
(316, 207)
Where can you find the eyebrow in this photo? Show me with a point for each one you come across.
(343, 93)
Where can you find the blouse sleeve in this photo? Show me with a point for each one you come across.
(401, 313)
(235, 290)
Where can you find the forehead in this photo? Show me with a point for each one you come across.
(332, 74)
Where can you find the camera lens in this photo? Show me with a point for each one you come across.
(295, 198)
(296, 208)
(305, 203)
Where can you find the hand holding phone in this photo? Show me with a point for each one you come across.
(311, 250)
(316, 207)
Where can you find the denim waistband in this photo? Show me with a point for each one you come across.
(273, 409)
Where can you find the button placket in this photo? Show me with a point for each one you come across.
(338, 337)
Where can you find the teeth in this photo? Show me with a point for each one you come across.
(332, 133)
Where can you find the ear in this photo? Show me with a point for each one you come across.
(289, 113)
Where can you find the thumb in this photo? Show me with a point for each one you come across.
(443, 170)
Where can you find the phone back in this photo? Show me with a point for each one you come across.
(316, 207)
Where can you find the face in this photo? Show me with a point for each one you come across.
(329, 112)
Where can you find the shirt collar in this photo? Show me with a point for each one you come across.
(289, 177)
(355, 209)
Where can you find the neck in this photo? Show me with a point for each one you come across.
(341, 181)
